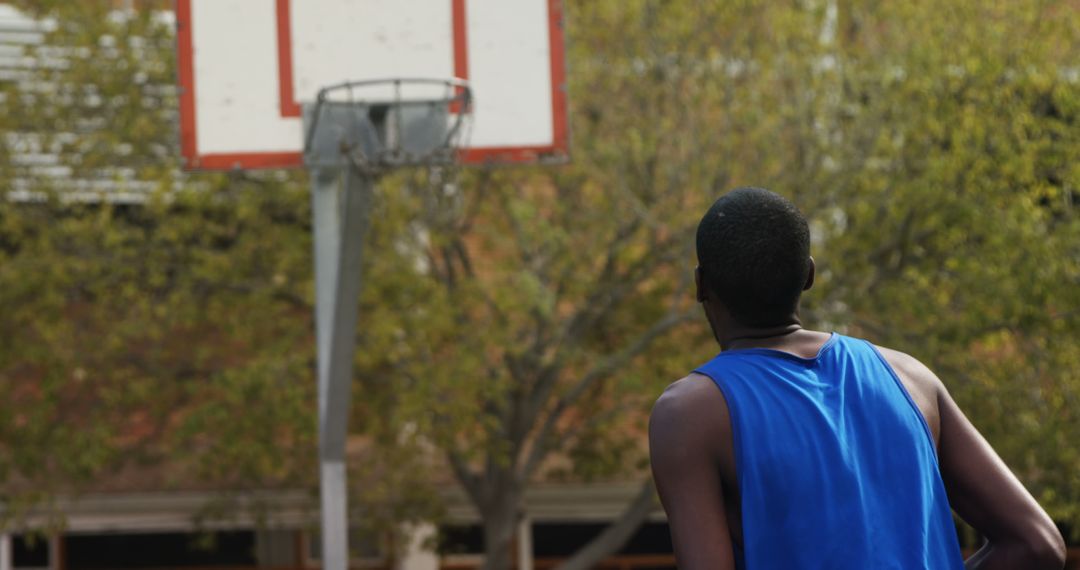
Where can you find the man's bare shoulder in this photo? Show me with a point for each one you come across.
(924, 387)
(688, 393)
(688, 387)
(910, 368)
(690, 407)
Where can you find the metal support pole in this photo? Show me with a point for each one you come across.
(341, 212)
(344, 150)
(525, 544)
(5, 552)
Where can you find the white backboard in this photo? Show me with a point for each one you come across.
(247, 66)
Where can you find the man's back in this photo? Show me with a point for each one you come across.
(835, 464)
(819, 467)
(694, 457)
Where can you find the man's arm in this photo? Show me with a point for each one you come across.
(684, 429)
(982, 489)
(986, 494)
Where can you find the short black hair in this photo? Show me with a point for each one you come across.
(753, 249)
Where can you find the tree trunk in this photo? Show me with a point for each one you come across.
(615, 536)
(499, 526)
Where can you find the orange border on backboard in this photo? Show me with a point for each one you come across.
(289, 106)
(194, 160)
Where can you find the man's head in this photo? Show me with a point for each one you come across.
(753, 249)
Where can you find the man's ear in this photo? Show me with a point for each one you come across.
(810, 276)
(699, 285)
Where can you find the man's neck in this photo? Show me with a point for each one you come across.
(736, 335)
(792, 339)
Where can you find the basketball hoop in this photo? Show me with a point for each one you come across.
(264, 107)
(378, 125)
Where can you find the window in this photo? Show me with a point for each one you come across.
(159, 550)
(30, 552)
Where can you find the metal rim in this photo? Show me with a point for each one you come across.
(458, 92)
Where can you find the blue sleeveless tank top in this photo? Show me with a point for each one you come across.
(837, 468)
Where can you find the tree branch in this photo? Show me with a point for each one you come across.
(611, 288)
(469, 480)
(600, 370)
(609, 291)
(617, 534)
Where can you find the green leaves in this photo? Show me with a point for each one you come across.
(151, 322)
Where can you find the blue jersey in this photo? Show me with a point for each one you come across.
(836, 465)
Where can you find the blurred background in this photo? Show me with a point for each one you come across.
(157, 354)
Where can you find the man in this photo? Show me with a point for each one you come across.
(799, 449)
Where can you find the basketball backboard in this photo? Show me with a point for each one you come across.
(248, 66)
